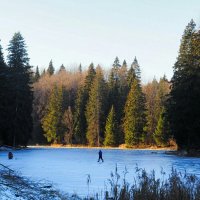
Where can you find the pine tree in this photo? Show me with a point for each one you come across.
(50, 69)
(37, 74)
(111, 129)
(95, 110)
(183, 105)
(134, 120)
(161, 135)
(22, 97)
(52, 121)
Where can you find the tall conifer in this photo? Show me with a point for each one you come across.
(162, 132)
(134, 120)
(111, 129)
(22, 97)
(95, 110)
(80, 124)
(52, 121)
(37, 74)
(183, 108)
(50, 69)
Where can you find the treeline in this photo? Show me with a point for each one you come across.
(98, 107)
(16, 94)
(184, 103)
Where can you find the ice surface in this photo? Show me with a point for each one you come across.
(68, 168)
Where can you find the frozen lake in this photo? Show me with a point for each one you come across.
(68, 168)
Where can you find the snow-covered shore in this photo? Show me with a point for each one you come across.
(16, 187)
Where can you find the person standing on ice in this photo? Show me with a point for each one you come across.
(100, 156)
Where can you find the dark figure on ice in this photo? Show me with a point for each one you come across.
(10, 155)
(100, 156)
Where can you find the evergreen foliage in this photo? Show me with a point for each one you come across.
(4, 97)
(79, 117)
(52, 121)
(116, 63)
(136, 68)
(111, 129)
(21, 97)
(95, 110)
(156, 96)
(50, 69)
(161, 135)
(77, 113)
(134, 120)
(80, 123)
(37, 74)
(62, 68)
(183, 104)
(130, 76)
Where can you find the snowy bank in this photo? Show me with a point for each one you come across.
(16, 187)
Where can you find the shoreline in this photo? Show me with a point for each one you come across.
(109, 148)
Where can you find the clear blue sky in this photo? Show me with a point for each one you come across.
(74, 31)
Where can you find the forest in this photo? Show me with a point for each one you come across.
(99, 107)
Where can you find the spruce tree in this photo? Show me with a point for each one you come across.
(80, 124)
(116, 63)
(62, 68)
(113, 90)
(22, 97)
(4, 98)
(89, 78)
(123, 91)
(136, 68)
(95, 110)
(52, 121)
(123, 76)
(79, 117)
(111, 129)
(134, 120)
(130, 76)
(161, 135)
(183, 108)
(37, 74)
(116, 66)
(50, 69)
